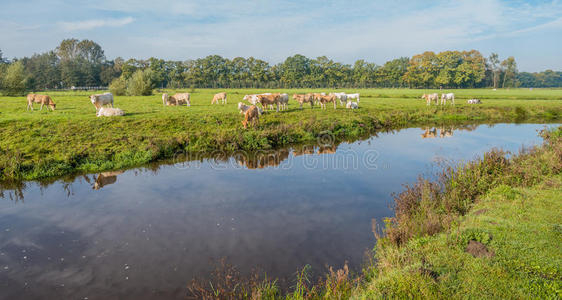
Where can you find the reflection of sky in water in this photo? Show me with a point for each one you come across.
(148, 234)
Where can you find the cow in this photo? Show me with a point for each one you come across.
(43, 99)
(317, 96)
(251, 116)
(109, 112)
(219, 96)
(351, 105)
(268, 100)
(284, 101)
(474, 101)
(243, 108)
(253, 99)
(177, 99)
(353, 96)
(99, 100)
(342, 97)
(429, 97)
(445, 97)
(326, 99)
(304, 98)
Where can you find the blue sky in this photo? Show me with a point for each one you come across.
(272, 30)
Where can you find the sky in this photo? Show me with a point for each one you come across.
(345, 31)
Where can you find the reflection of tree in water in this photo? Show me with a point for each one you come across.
(13, 190)
(445, 130)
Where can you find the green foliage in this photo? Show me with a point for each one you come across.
(14, 80)
(141, 83)
(118, 86)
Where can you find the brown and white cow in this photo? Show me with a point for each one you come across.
(268, 100)
(43, 99)
(304, 98)
(219, 96)
(177, 99)
(429, 97)
(251, 116)
(327, 99)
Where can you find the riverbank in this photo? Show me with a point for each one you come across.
(489, 228)
(70, 140)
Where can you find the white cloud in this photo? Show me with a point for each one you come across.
(91, 24)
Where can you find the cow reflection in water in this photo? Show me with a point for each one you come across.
(106, 178)
(302, 150)
(262, 159)
(331, 149)
(445, 131)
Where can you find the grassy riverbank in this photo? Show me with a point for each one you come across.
(489, 228)
(43, 144)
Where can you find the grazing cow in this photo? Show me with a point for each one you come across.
(106, 178)
(243, 108)
(43, 99)
(304, 98)
(429, 133)
(251, 116)
(253, 99)
(474, 101)
(99, 100)
(353, 96)
(110, 112)
(177, 99)
(268, 100)
(317, 96)
(430, 97)
(219, 96)
(284, 101)
(342, 97)
(445, 97)
(352, 105)
(326, 99)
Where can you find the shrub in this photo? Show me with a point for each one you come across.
(118, 86)
(14, 80)
(141, 83)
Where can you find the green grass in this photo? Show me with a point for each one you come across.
(522, 226)
(44, 144)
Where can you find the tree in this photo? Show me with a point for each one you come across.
(510, 70)
(141, 83)
(14, 80)
(495, 67)
(118, 86)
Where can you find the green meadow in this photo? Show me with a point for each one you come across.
(39, 144)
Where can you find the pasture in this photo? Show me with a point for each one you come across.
(38, 144)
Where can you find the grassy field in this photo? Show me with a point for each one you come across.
(42, 144)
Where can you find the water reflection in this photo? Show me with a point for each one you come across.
(445, 131)
(144, 233)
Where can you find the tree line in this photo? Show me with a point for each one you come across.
(76, 63)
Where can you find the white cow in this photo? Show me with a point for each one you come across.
(474, 101)
(353, 96)
(445, 97)
(284, 101)
(243, 108)
(99, 100)
(342, 97)
(110, 112)
(352, 105)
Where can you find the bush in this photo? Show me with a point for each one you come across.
(14, 80)
(118, 87)
(141, 83)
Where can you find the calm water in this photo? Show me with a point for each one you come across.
(145, 233)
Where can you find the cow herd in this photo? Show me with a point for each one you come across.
(267, 101)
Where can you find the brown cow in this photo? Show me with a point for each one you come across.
(252, 115)
(177, 99)
(43, 99)
(219, 96)
(267, 100)
(304, 98)
(327, 99)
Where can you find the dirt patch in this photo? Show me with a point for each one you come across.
(478, 249)
(480, 211)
